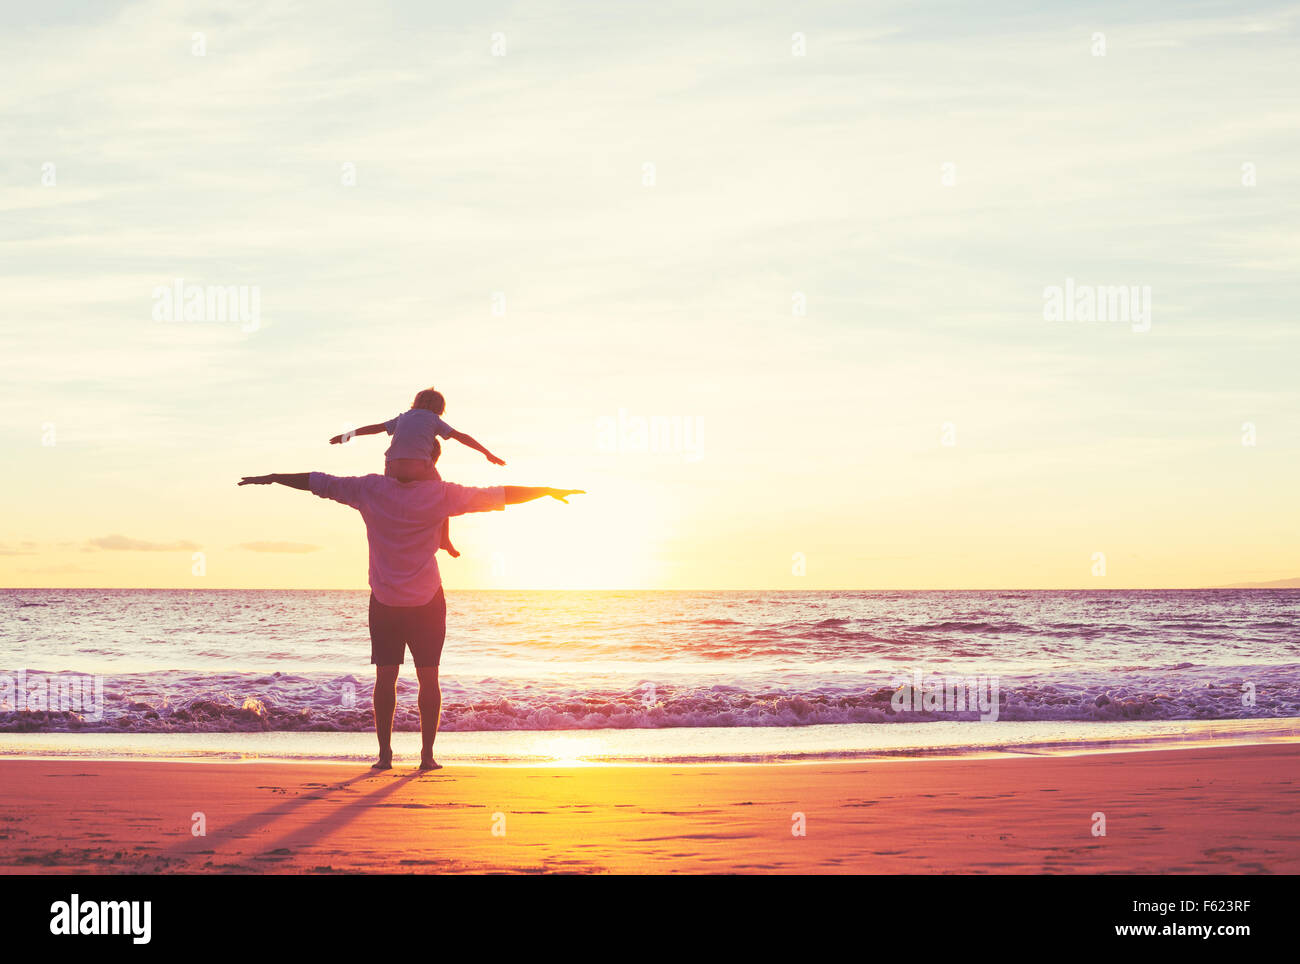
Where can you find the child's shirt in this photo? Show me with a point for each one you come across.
(415, 432)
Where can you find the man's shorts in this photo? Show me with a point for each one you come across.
(393, 628)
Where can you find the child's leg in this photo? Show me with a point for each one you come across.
(445, 544)
(446, 540)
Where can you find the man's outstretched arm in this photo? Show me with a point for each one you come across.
(515, 494)
(295, 480)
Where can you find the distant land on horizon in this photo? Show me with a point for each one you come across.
(1275, 584)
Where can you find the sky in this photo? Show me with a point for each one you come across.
(814, 241)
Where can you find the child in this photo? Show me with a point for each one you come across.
(415, 448)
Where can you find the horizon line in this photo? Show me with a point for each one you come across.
(1233, 587)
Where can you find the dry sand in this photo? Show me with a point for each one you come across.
(1216, 810)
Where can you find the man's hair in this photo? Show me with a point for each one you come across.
(431, 400)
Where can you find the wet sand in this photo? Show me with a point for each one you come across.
(1207, 810)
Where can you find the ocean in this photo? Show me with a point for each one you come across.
(650, 676)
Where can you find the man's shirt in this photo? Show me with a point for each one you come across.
(404, 527)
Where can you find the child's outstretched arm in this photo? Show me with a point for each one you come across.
(472, 442)
(376, 429)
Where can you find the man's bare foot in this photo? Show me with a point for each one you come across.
(450, 550)
(429, 763)
(383, 763)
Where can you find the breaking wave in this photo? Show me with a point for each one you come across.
(186, 703)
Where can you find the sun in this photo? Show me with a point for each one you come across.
(599, 541)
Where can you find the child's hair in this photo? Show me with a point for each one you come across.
(430, 399)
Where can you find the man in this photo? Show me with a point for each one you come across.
(407, 606)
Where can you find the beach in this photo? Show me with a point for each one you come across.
(151, 731)
(1229, 809)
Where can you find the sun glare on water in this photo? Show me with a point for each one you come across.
(567, 751)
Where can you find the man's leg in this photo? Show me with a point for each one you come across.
(430, 714)
(385, 700)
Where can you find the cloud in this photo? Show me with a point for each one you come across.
(278, 547)
(123, 543)
(25, 550)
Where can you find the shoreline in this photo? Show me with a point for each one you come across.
(1224, 809)
(878, 760)
(829, 744)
